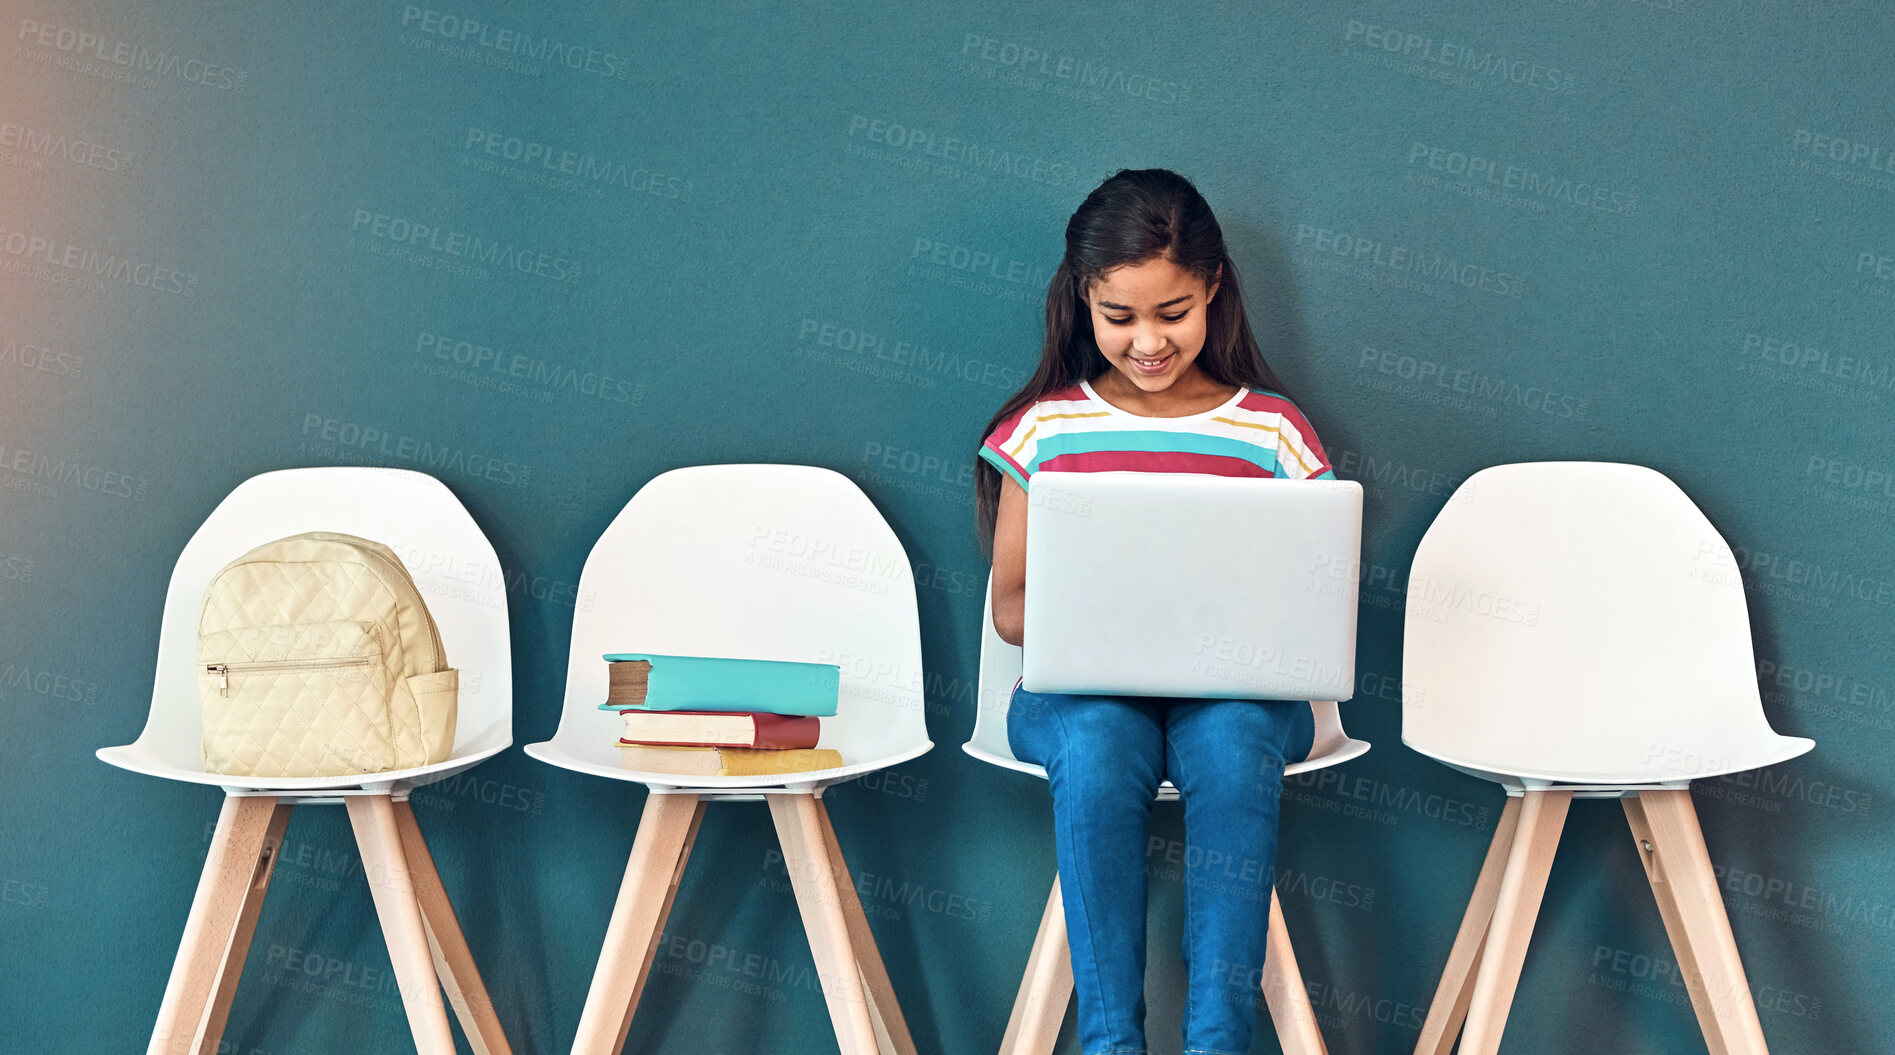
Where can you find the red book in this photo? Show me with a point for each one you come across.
(721, 729)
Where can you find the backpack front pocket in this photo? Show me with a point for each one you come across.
(295, 700)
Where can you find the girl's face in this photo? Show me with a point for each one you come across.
(1149, 320)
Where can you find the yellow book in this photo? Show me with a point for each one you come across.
(727, 761)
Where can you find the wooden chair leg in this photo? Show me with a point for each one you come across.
(1678, 853)
(813, 878)
(211, 1033)
(230, 868)
(1522, 885)
(1667, 900)
(891, 1029)
(1045, 989)
(1284, 991)
(666, 831)
(391, 884)
(453, 962)
(1449, 1007)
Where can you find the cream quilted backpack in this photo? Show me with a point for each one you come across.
(317, 657)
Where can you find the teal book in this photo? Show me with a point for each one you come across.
(705, 683)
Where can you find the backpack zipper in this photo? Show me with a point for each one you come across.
(222, 670)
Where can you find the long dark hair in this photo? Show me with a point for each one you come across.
(1134, 216)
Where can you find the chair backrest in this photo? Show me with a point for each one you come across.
(1578, 621)
(1000, 665)
(789, 562)
(453, 565)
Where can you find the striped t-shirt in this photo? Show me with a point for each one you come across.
(1255, 433)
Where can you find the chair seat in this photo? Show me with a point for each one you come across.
(1708, 757)
(605, 762)
(1333, 753)
(139, 759)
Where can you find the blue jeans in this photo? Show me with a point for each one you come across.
(1104, 757)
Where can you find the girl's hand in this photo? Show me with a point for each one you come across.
(1009, 613)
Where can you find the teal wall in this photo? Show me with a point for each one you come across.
(238, 237)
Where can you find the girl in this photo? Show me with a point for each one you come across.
(1150, 365)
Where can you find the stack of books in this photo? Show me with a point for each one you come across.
(703, 716)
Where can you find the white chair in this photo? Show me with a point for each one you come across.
(1579, 629)
(785, 562)
(442, 546)
(1040, 1006)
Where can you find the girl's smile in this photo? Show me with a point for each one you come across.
(1149, 321)
(1154, 367)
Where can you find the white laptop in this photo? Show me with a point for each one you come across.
(1193, 585)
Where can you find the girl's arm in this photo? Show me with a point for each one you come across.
(1010, 562)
